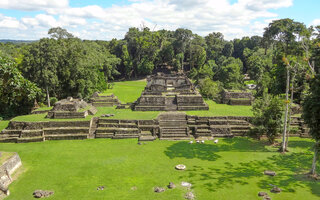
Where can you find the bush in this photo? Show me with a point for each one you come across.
(267, 112)
(53, 100)
(210, 89)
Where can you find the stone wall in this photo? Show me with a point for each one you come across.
(6, 171)
(237, 97)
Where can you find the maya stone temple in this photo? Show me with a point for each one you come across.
(170, 92)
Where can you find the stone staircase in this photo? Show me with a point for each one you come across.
(105, 101)
(298, 128)
(117, 129)
(148, 130)
(173, 126)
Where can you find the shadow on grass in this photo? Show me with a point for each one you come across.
(290, 168)
(208, 151)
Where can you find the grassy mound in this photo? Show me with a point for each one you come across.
(232, 169)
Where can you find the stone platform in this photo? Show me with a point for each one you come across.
(169, 92)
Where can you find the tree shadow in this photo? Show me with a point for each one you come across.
(290, 167)
(208, 150)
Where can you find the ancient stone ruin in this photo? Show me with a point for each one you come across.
(169, 92)
(71, 108)
(98, 100)
(237, 97)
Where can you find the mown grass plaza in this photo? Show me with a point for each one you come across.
(230, 169)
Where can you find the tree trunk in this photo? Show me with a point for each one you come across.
(48, 97)
(314, 162)
(283, 147)
(290, 111)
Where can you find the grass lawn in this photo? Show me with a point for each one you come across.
(230, 170)
(3, 124)
(127, 91)
(222, 110)
(130, 91)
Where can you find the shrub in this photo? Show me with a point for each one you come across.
(210, 89)
(267, 112)
(53, 100)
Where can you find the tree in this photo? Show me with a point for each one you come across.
(17, 94)
(267, 111)
(311, 110)
(210, 89)
(59, 33)
(40, 64)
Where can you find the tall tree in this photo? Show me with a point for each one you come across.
(311, 110)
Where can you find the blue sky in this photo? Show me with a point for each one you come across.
(107, 19)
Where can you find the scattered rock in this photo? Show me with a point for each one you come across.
(139, 143)
(262, 194)
(216, 141)
(275, 190)
(269, 172)
(180, 167)
(107, 115)
(158, 189)
(202, 141)
(134, 188)
(190, 142)
(189, 195)
(198, 141)
(42, 193)
(100, 188)
(266, 197)
(186, 184)
(171, 185)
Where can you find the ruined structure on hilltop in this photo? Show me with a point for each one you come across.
(169, 92)
(71, 108)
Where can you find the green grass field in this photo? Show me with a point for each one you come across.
(230, 170)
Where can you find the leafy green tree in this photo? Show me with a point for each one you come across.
(40, 64)
(267, 112)
(311, 110)
(59, 33)
(17, 94)
(210, 89)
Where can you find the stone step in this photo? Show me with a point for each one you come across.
(102, 104)
(106, 120)
(175, 138)
(174, 135)
(147, 138)
(239, 132)
(222, 135)
(124, 136)
(32, 133)
(66, 137)
(237, 127)
(172, 123)
(65, 130)
(10, 132)
(117, 130)
(29, 139)
(237, 122)
(218, 122)
(116, 125)
(104, 135)
(146, 133)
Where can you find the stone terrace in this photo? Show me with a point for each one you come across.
(170, 92)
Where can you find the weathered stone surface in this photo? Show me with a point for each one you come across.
(186, 184)
(261, 194)
(159, 189)
(42, 193)
(269, 172)
(180, 167)
(169, 92)
(171, 185)
(189, 195)
(275, 190)
(100, 187)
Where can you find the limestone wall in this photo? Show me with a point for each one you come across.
(7, 169)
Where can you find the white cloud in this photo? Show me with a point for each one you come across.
(246, 17)
(32, 5)
(316, 22)
(10, 23)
